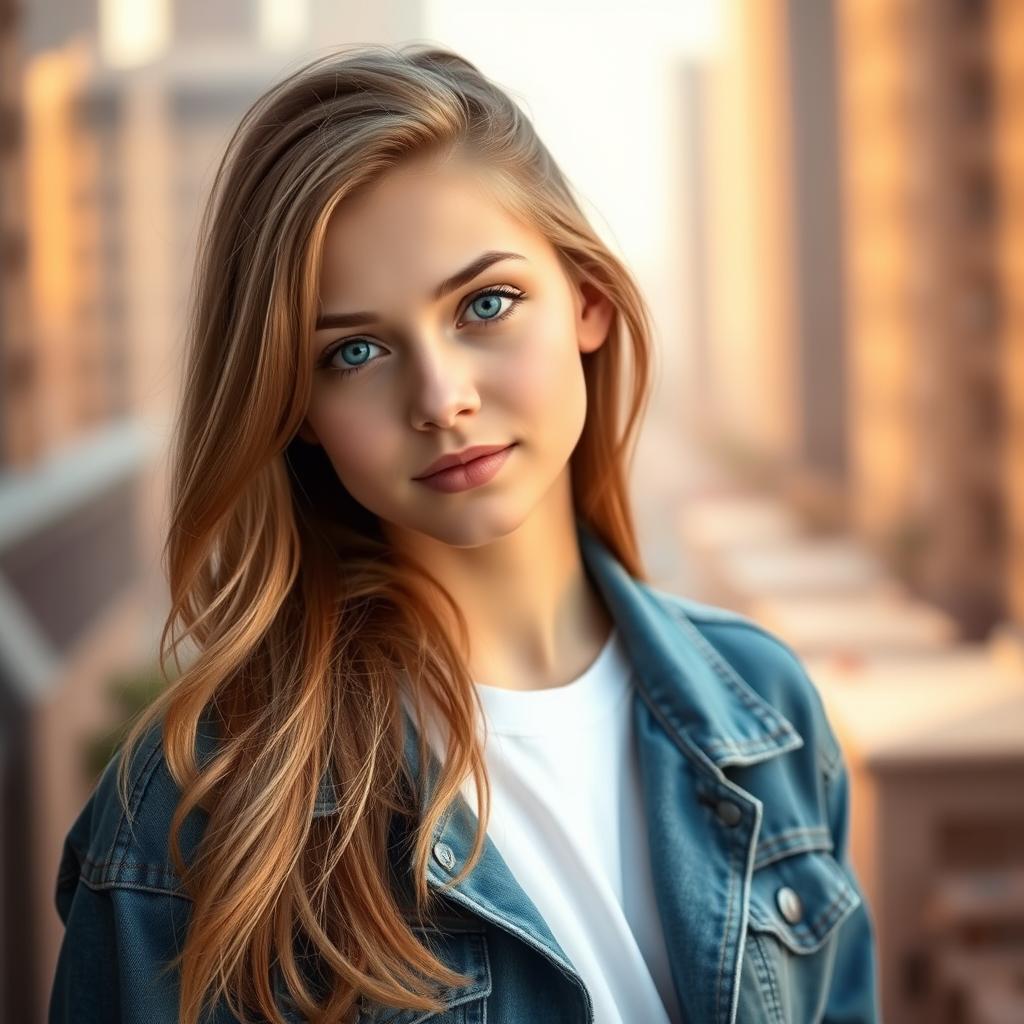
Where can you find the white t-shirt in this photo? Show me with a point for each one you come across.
(567, 815)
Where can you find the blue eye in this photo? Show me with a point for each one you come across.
(489, 302)
(485, 304)
(359, 345)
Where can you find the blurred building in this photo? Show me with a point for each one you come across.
(858, 365)
(71, 488)
(859, 247)
(1005, 37)
(927, 324)
(16, 350)
(16, 367)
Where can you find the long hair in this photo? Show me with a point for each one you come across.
(301, 621)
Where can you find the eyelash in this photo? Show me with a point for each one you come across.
(506, 290)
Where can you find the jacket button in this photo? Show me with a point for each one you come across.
(789, 904)
(444, 856)
(729, 814)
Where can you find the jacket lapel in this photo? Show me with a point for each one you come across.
(693, 716)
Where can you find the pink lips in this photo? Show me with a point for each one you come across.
(470, 474)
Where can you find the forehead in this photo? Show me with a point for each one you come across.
(413, 227)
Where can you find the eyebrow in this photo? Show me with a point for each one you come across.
(449, 284)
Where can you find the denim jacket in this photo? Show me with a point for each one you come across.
(746, 794)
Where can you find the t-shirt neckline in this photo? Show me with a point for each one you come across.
(593, 693)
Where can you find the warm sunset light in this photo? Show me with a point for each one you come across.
(132, 32)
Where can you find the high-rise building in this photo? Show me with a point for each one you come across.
(17, 357)
(1006, 46)
(926, 322)
(859, 347)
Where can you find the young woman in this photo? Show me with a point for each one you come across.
(442, 753)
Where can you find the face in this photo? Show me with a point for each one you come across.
(406, 370)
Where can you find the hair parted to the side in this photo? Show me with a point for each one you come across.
(301, 619)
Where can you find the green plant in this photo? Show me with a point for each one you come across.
(130, 692)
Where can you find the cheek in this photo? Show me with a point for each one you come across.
(357, 440)
(547, 382)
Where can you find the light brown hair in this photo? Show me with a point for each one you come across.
(301, 619)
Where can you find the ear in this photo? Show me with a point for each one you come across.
(594, 312)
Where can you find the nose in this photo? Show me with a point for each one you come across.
(443, 385)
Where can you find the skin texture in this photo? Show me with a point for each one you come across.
(438, 379)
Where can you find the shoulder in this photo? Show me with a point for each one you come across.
(113, 844)
(737, 645)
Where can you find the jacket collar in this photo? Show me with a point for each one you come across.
(704, 705)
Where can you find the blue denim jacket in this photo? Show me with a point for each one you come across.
(746, 793)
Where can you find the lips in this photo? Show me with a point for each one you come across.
(460, 458)
(466, 476)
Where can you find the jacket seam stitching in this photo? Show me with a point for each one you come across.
(830, 915)
(107, 886)
(774, 840)
(772, 851)
(831, 764)
(680, 736)
(148, 865)
(478, 994)
(479, 900)
(725, 671)
(119, 846)
(832, 761)
(773, 994)
(801, 930)
(725, 936)
(745, 746)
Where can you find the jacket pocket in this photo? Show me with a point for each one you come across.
(798, 903)
(463, 948)
(801, 899)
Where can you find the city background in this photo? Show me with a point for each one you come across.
(823, 201)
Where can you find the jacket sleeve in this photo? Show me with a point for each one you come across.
(114, 946)
(853, 995)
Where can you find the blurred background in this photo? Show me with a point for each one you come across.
(823, 201)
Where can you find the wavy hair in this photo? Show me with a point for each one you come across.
(301, 620)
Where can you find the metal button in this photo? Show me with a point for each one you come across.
(444, 856)
(789, 904)
(728, 813)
